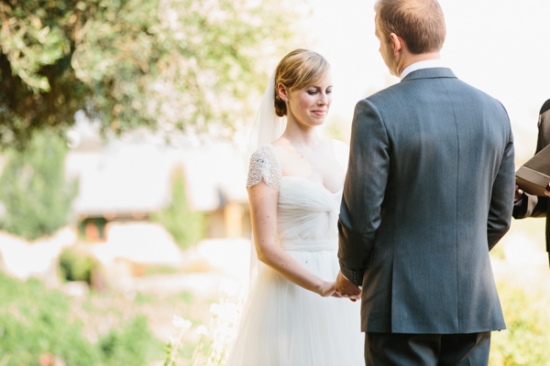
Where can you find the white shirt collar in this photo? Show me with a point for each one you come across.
(427, 64)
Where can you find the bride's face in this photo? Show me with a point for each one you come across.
(309, 106)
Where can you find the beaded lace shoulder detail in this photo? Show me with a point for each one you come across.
(265, 165)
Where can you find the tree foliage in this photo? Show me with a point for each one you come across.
(38, 86)
(169, 65)
(33, 189)
(186, 226)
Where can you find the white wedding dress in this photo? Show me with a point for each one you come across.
(284, 324)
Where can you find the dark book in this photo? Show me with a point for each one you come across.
(533, 177)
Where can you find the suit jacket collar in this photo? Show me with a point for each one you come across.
(430, 73)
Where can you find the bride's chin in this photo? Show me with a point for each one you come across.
(315, 123)
(318, 120)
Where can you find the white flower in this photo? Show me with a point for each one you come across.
(215, 309)
(202, 330)
(174, 341)
(181, 323)
(229, 287)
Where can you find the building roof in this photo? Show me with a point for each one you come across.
(135, 176)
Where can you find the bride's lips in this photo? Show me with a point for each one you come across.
(319, 112)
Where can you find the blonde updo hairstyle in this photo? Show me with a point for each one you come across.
(297, 70)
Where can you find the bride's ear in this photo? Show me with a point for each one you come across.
(282, 92)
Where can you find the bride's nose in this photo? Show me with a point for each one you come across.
(323, 99)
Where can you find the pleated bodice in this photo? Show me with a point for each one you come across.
(307, 215)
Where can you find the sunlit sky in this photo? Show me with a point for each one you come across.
(498, 46)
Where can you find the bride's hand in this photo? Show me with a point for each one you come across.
(327, 289)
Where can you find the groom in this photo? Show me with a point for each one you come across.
(429, 192)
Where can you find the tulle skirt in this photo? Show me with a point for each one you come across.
(285, 325)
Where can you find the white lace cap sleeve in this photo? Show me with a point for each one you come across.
(264, 165)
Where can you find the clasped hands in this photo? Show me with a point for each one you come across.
(344, 288)
(341, 288)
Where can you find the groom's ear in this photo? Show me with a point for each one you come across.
(397, 43)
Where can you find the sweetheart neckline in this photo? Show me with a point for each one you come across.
(315, 183)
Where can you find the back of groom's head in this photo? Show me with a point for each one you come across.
(420, 23)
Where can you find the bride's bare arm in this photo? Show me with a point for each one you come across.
(263, 212)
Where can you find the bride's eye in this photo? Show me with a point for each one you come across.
(329, 91)
(312, 91)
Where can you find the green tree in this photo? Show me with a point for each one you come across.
(33, 188)
(186, 226)
(38, 86)
(169, 65)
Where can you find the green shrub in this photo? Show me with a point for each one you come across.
(36, 321)
(186, 226)
(133, 345)
(75, 266)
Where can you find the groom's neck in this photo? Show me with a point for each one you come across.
(408, 59)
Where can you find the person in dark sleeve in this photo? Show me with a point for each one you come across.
(527, 205)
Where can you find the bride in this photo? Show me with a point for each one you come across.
(293, 315)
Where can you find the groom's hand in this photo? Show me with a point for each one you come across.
(518, 193)
(346, 288)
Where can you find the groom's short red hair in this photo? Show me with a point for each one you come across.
(420, 23)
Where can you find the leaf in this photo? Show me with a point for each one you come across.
(189, 65)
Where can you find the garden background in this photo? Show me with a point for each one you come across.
(123, 136)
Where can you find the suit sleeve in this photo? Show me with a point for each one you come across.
(367, 176)
(502, 196)
(530, 206)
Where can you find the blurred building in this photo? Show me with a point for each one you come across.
(127, 179)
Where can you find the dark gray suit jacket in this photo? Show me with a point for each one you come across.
(534, 206)
(429, 191)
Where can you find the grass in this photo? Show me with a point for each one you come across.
(527, 338)
(523, 282)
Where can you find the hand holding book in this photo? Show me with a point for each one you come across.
(533, 177)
